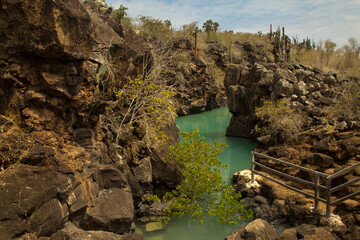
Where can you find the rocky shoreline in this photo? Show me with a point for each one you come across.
(284, 214)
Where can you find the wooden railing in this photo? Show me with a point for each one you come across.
(315, 185)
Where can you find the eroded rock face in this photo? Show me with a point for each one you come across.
(61, 170)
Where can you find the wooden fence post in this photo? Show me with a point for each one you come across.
(252, 166)
(328, 195)
(316, 190)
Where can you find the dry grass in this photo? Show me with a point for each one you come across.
(345, 65)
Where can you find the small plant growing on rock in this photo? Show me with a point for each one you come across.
(148, 105)
(203, 189)
(278, 118)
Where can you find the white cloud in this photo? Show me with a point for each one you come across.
(320, 19)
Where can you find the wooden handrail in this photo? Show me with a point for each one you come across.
(344, 171)
(292, 165)
(315, 184)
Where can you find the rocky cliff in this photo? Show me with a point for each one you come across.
(63, 174)
(196, 88)
(322, 143)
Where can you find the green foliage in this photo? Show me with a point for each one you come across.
(203, 189)
(210, 26)
(278, 117)
(149, 106)
(155, 28)
(119, 13)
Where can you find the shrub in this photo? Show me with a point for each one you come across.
(348, 106)
(278, 118)
(148, 105)
(203, 189)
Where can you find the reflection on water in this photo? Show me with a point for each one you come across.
(212, 126)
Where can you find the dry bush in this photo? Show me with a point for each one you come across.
(278, 118)
(13, 144)
(218, 74)
(347, 107)
(182, 62)
(345, 60)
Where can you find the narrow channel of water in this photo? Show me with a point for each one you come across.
(212, 126)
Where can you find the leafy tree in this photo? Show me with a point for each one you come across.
(119, 13)
(351, 53)
(329, 49)
(167, 24)
(210, 26)
(203, 189)
(216, 26)
(155, 29)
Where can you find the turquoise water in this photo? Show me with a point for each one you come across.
(212, 126)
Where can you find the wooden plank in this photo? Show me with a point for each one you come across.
(344, 185)
(284, 185)
(292, 165)
(345, 198)
(286, 175)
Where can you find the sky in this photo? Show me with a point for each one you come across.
(317, 19)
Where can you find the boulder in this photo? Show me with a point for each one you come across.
(300, 89)
(48, 218)
(112, 177)
(319, 159)
(143, 172)
(197, 106)
(288, 234)
(71, 232)
(282, 89)
(232, 75)
(153, 226)
(240, 126)
(257, 229)
(30, 190)
(113, 211)
(319, 233)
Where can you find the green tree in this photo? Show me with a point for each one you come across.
(210, 26)
(167, 24)
(216, 26)
(203, 189)
(119, 13)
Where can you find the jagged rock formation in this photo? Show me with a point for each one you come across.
(62, 173)
(291, 215)
(322, 144)
(196, 89)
